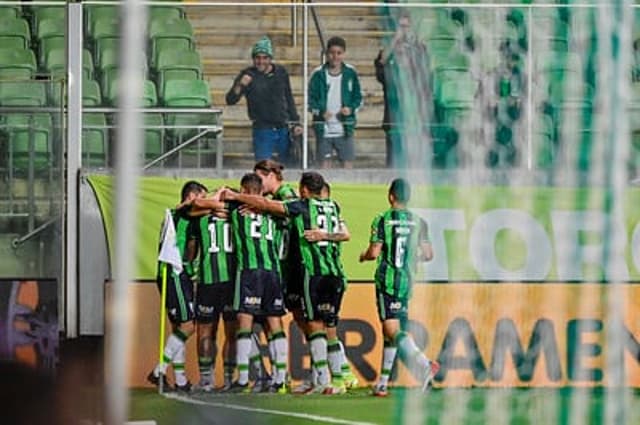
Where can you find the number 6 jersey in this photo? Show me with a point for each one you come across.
(400, 232)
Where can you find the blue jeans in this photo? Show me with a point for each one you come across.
(267, 141)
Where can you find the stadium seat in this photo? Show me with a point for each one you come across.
(17, 64)
(178, 65)
(41, 13)
(166, 12)
(94, 140)
(544, 145)
(174, 34)
(458, 97)
(189, 94)
(14, 33)
(91, 93)
(10, 11)
(94, 13)
(51, 34)
(22, 94)
(153, 136)
(106, 34)
(20, 128)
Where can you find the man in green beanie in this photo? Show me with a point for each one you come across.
(270, 104)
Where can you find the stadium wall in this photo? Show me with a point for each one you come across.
(483, 334)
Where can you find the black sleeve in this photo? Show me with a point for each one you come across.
(291, 104)
(379, 68)
(294, 207)
(232, 98)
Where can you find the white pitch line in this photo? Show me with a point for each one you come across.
(317, 418)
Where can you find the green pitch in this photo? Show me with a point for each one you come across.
(452, 406)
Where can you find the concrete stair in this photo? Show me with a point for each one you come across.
(225, 35)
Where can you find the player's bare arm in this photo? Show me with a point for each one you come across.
(426, 251)
(317, 235)
(372, 252)
(257, 202)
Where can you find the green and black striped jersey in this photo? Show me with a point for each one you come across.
(217, 259)
(255, 238)
(319, 258)
(401, 232)
(290, 261)
(186, 230)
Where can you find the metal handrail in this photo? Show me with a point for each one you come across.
(187, 143)
(319, 31)
(22, 239)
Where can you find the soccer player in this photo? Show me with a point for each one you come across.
(341, 374)
(258, 290)
(179, 297)
(323, 283)
(214, 295)
(399, 237)
(291, 270)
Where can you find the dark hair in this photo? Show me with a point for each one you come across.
(190, 187)
(327, 188)
(270, 166)
(252, 183)
(312, 181)
(337, 41)
(401, 190)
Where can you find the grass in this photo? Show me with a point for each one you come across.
(473, 406)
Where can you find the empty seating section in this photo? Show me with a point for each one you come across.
(489, 79)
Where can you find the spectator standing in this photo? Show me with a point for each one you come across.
(270, 104)
(334, 98)
(402, 68)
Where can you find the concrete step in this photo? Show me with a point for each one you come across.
(230, 67)
(273, 20)
(224, 82)
(366, 115)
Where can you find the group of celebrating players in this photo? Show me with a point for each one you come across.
(266, 249)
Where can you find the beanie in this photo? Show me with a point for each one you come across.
(263, 46)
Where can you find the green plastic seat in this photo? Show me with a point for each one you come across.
(14, 33)
(149, 93)
(105, 31)
(94, 140)
(29, 133)
(91, 95)
(19, 64)
(174, 34)
(178, 65)
(153, 136)
(106, 45)
(186, 94)
(457, 98)
(95, 13)
(166, 12)
(10, 11)
(51, 34)
(22, 94)
(41, 13)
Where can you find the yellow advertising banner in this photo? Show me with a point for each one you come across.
(483, 334)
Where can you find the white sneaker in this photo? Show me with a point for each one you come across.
(430, 372)
(303, 388)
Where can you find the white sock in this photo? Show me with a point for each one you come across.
(281, 348)
(173, 344)
(255, 357)
(243, 347)
(412, 356)
(178, 366)
(318, 347)
(345, 362)
(335, 358)
(388, 357)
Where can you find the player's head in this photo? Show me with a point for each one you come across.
(326, 191)
(311, 184)
(251, 184)
(399, 191)
(270, 172)
(191, 190)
